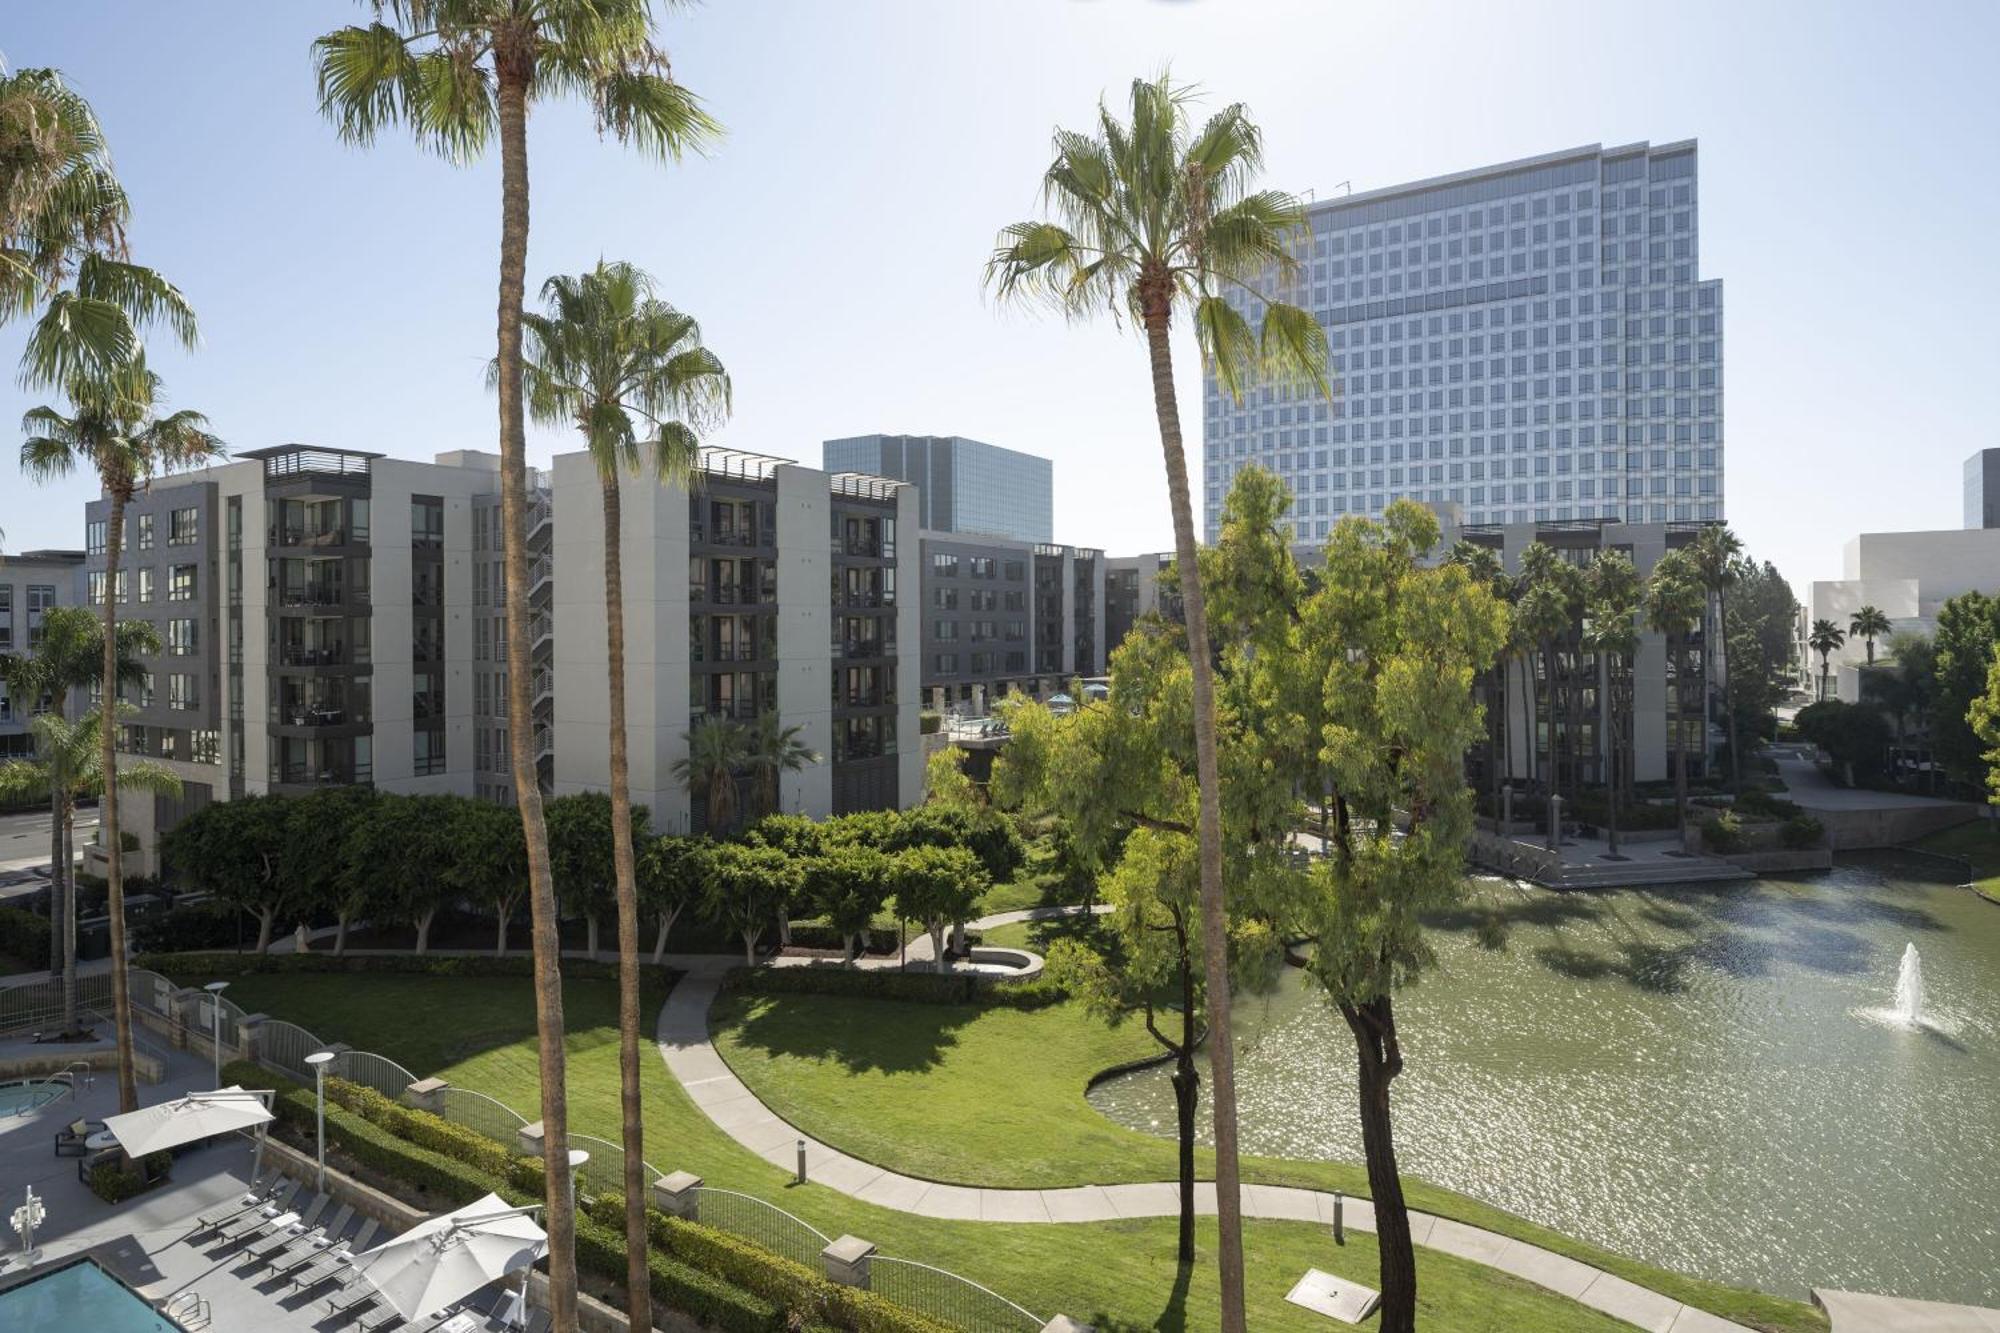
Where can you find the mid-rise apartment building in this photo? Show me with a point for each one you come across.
(1003, 617)
(31, 584)
(1136, 586)
(963, 486)
(334, 617)
(1532, 341)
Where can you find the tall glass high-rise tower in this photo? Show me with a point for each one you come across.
(1532, 341)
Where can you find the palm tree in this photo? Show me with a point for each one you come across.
(1610, 632)
(1551, 594)
(1483, 565)
(1155, 217)
(68, 765)
(1826, 640)
(629, 372)
(63, 247)
(1715, 551)
(771, 750)
(716, 751)
(457, 73)
(114, 430)
(1868, 624)
(68, 658)
(1675, 601)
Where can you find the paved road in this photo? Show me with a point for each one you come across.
(1809, 787)
(24, 838)
(690, 1055)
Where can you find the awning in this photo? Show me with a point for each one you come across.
(197, 1116)
(442, 1260)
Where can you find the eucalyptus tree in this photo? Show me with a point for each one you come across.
(1826, 639)
(1675, 602)
(459, 74)
(1717, 552)
(1868, 624)
(68, 764)
(63, 243)
(1610, 632)
(628, 372)
(114, 429)
(1156, 218)
(69, 656)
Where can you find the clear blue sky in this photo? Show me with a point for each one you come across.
(832, 247)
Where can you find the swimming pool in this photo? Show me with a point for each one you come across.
(79, 1295)
(23, 1097)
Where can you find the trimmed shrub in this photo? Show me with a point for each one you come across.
(881, 984)
(813, 935)
(929, 723)
(1756, 802)
(1801, 831)
(1723, 833)
(193, 965)
(115, 1182)
(200, 926)
(24, 936)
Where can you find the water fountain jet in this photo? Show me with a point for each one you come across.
(1909, 1005)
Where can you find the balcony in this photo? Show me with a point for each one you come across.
(319, 716)
(862, 546)
(310, 535)
(738, 652)
(728, 712)
(865, 698)
(857, 648)
(301, 655)
(313, 595)
(541, 579)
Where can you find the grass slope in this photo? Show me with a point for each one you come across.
(479, 1033)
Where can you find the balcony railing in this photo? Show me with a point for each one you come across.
(737, 712)
(322, 594)
(857, 648)
(310, 535)
(866, 546)
(318, 715)
(300, 655)
(324, 775)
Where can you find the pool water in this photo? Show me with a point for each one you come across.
(79, 1296)
(21, 1098)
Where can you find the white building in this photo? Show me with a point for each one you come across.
(1907, 576)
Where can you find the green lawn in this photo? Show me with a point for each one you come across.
(1977, 843)
(478, 1033)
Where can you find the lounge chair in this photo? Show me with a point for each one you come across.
(381, 1316)
(334, 1263)
(304, 1248)
(261, 1219)
(351, 1297)
(70, 1139)
(279, 1238)
(255, 1197)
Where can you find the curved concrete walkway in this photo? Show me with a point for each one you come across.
(692, 1058)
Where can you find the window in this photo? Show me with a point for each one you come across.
(145, 532)
(180, 583)
(944, 566)
(205, 747)
(144, 690)
(181, 691)
(183, 526)
(93, 537)
(181, 638)
(146, 584)
(427, 522)
(6, 615)
(427, 752)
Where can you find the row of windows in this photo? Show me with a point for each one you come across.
(978, 631)
(198, 746)
(181, 582)
(183, 529)
(1342, 227)
(949, 565)
(979, 599)
(980, 663)
(1677, 512)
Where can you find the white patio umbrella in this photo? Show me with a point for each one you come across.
(445, 1259)
(199, 1115)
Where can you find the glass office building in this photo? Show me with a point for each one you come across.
(1531, 341)
(962, 485)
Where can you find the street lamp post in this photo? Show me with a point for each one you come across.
(319, 1060)
(577, 1157)
(215, 989)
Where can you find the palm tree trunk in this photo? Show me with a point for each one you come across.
(107, 818)
(638, 1293)
(1214, 930)
(1674, 679)
(1609, 705)
(56, 885)
(64, 919)
(1728, 689)
(514, 62)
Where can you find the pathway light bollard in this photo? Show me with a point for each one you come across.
(319, 1060)
(802, 1162)
(1555, 824)
(215, 989)
(1339, 1209)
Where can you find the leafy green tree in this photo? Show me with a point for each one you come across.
(320, 862)
(1984, 717)
(1611, 633)
(69, 657)
(1717, 554)
(114, 430)
(1760, 622)
(1825, 639)
(1391, 645)
(1903, 684)
(1854, 736)
(68, 765)
(798, 836)
(490, 865)
(747, 886)
(1968, 627)
(946, 781)
(672, 873)
(848, 885)
(1868, 624)
(937, 887)
(1153, 218)
(459, 73)
(63, 241)
(233, 850)
(716, 755)
(1675, 603)
(582, 857)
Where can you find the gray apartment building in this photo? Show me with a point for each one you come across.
(1532, 341)
(963, 486)
(1003, 617)
(332, 617)
(1136, 586)
(31, 584)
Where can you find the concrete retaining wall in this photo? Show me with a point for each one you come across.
(1852, 830)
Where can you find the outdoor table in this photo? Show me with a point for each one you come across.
(101, 1140)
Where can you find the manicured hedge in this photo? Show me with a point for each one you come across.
(454, 1183)
(886, 984)
(24, 936)
(178, 965)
